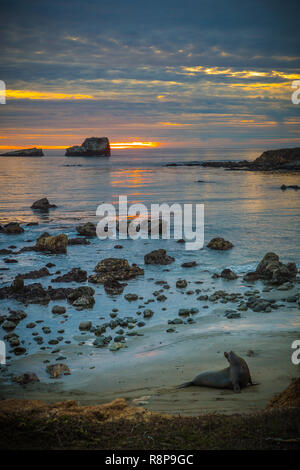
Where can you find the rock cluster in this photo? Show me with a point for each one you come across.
(114, 269)
(272, 270)
(80, 297)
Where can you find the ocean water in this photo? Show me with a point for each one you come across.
(247, 208)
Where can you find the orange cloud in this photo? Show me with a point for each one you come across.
(40, 95)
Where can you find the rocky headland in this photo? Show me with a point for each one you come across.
(270, 160)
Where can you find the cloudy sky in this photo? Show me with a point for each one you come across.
(194, 72)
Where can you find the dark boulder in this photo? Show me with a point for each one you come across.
(271, 269)
(158, 257)
(52, 244)
(12, 228)
(87, 230)
(219, 244)
(75, 275)
(42, 204)
(228, 274)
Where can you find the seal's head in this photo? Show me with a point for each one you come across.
(230, 356)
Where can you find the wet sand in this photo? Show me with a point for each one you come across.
(149, 377)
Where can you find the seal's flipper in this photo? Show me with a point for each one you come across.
(185, 384)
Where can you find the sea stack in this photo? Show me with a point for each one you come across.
(91, 147)
(33, 152)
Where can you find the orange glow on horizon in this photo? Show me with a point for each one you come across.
(113, 145)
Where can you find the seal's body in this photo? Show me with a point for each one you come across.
(234, 377)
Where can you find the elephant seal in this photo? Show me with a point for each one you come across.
(234, 377)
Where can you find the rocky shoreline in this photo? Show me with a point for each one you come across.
(112, 272)
(270, 160)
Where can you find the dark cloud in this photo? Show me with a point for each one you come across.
(127, 53)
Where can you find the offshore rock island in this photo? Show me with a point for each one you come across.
(91, 147)
(33, 152)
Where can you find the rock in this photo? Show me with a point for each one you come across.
(32, 224)
(116, 346)
(12, 228)
(259, 305)
(293, 186)
(131, 297)
(271, 269)
(87, 230)
(53, 244)
(113, 287)
(184, 312)
(10, 260)
(59, 309)
(84, 302)
(5, 251)
(251, 277)
(148, 313)
(92, 146)
(42, 204)
(78, 241)
(35, 293)
(85, 325)
(189, 264)
(8, 325)
(33, 152)
(75, 275)
(285, 286)
(56, 370)
(161, 298)
(181, 283)
(232, 314)
(176, 321)
(219, 244)
(26, 378)
(102, 341)
(36, 274)
(228, 274)
(114, 269)
(279, 159)
(158, 257)
(19, 351)
(83, 291)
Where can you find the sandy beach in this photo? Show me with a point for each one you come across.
(148, 375)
